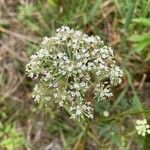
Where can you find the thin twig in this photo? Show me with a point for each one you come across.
(142, 82)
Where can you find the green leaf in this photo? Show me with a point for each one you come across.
(120, 97)
(143, 21)
(129, 13)
(137, 37)
(111, 132)
(52, 2)
(137, 105)
(25, 11)
(141, 45)
(94, 9)
(33, 26)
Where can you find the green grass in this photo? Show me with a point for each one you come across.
(126, 19)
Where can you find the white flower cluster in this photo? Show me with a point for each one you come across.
(142, 127)
(81, 109)
(74, 69)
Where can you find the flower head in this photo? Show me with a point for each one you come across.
(71, 66)
(142, 127)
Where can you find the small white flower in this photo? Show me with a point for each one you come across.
(142, 127)
(55, 95)
(116, 75)
(45, 40)
(106, 113)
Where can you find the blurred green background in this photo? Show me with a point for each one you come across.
(122, 24)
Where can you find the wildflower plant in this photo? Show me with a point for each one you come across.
(74, 70)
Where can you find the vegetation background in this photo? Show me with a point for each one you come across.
(123, 24)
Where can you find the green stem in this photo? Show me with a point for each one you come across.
(120, 115)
